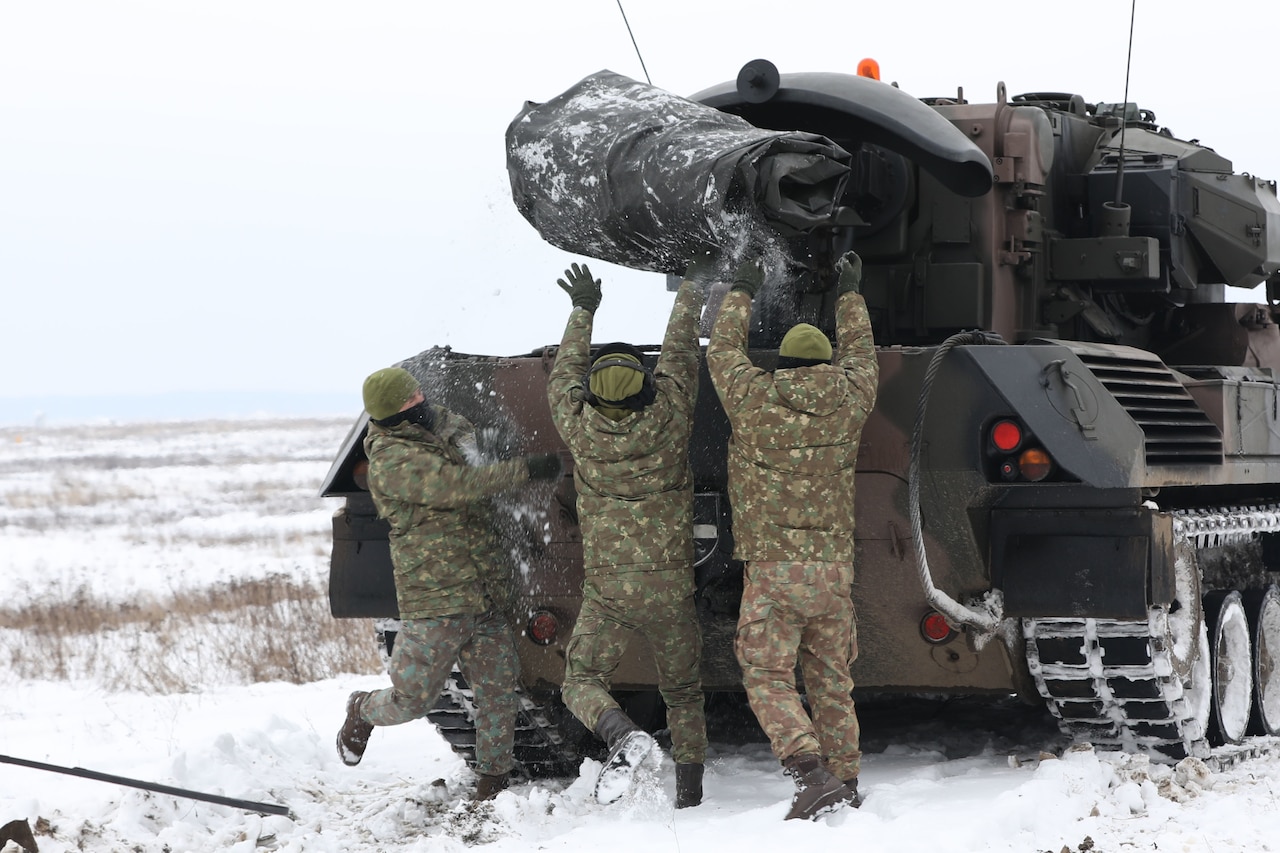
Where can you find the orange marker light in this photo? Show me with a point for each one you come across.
(360, 474)
(869, 68)
(1035, 464)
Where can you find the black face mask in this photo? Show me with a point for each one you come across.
(420, 414)
(786, 362)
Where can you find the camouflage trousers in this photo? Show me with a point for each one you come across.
(801, 611)
(600, 638)
(424, 653)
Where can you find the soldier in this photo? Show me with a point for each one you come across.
(443, 549)
(791, 471)
(628, 429)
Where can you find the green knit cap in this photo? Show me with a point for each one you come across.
(611, 384)
(387, 390)
(805, 341)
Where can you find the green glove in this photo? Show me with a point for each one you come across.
(748, 277)
(581, 287)
(544, 466)
(701, 268)
(849, 274)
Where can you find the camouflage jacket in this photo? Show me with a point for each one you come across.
(444, 548)
(634, 483)
(795, 437)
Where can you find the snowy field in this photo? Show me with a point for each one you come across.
(111, 518)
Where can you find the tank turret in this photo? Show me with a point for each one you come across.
(1100, 225)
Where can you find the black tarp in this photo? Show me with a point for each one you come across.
(628, 173)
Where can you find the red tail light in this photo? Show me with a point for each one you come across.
(1006, 436)
(935, 629)
(543, 627)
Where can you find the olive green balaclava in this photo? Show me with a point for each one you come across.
(806, 342)
(616, 383)
(386, 390)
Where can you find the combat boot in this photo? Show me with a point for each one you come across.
(489, 786)
(353, 737)
(628, 746)
(18, 832)
(688, 785)
(817, 791)
(852, 785)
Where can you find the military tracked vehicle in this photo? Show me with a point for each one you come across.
(1070, 486)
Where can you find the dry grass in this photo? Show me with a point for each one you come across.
(116, 543)
(68, 490)
(270, 629)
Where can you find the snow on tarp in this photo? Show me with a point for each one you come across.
(628, 173)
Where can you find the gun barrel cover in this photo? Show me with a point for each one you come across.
(624, 172)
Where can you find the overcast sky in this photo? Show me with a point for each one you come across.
(256, 195)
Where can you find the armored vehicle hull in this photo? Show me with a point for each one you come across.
(1070, 486)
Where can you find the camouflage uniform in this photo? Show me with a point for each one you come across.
(635, 508)
(446, 557)
(791, 488)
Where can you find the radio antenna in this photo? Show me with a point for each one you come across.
(637, 47)
(1124, 107)
(1115, 214)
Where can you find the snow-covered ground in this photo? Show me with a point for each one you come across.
(144, 510)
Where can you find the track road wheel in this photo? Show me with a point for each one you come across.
(1263, 609)
(1231, 663)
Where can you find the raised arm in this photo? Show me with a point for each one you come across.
(678, 363)
(564, 385)
(727, 360)
(856, 345)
